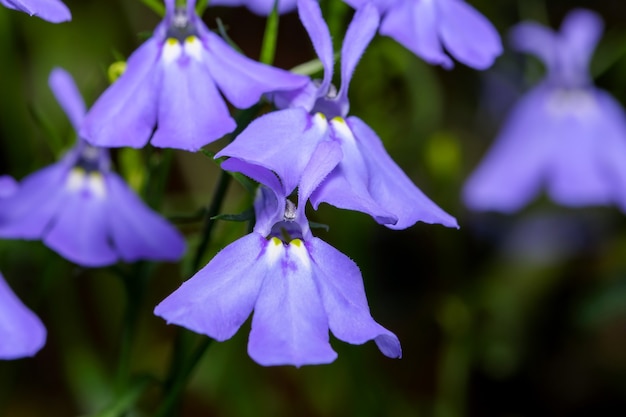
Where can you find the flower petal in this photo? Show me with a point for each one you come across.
(535, 39)
(581, 30)
(80, 233)
(218, 299)
(340, 284)
(315, 25)
(584, 173)
(242, 80)
(511, 173)
(136, 231)
(68, 96)
(281, 141)
(8, 186)
(467, 35)
(21, 332)
(126, 113)
(29, 210)
(51, 10)
(192, 113)
(289, 325)
(360, 32)
(414, 24)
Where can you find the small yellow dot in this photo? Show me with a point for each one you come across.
(172, 41)
(296, 242)
(78, 171)
(191, 39)
(339, 119)
(276, 241)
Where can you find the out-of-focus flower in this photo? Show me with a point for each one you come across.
(173, 83)
(363, 177)
(83, 210)
(298, 286)
(260, 7)
(21, 332)
(427, 27)
(565, 134)
(51, 10)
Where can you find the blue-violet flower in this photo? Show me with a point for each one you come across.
(298, 286)
(83, 210)
(172, 83)
(364, 177)
(565, 134)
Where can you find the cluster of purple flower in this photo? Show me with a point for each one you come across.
(309, 149)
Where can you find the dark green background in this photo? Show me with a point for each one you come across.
(520, 315)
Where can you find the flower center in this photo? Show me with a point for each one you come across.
(181, 27)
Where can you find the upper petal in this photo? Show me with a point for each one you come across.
(68, 96)
(281, 141)
(136, 231)
(289, 325)
(360, 32)
(415, 25)
(314, 23)
(21, 332)
(468, 35)
(340, 284)
(51, 10)
(220, 297)
(581, 30)
(126, 113)
(242, 80)
(536, 39)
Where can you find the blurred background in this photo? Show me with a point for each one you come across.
(509, 316)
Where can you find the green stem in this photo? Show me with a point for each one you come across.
(270, 36)
(134, 284)
(177, 386)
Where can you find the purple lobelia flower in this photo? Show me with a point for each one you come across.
(259, 7)
(364, 177)
(51, 10)
(426, 27)
(83, 210)
(172, 83)
(298, 286)
(21, 332)
(564, 134)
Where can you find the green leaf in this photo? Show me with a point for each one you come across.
(156, 6)
(244, 216)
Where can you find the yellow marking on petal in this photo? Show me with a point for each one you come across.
(276, 241)
(339, 119)
(296, 242)
(193, 47)
(320, 115)
(171, 50)
(75, 179)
